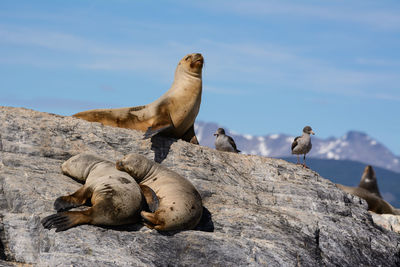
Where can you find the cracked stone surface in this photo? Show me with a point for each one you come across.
(259, 211)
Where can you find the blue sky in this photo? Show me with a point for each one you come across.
(270, 66)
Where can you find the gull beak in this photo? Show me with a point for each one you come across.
(312, 132)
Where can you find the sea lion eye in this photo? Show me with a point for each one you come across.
(186, 58)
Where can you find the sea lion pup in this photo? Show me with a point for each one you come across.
(224, 142)
(115, 196)
(368, 190)
(180, 206)
(172, 115)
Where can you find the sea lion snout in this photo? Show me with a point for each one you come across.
(197, 60)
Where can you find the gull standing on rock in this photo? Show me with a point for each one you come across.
(302, 144)
(224, 142)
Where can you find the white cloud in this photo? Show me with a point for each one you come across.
(251, 64)
(342, 11)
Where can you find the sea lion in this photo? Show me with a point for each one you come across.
(368, 191)
(115, 196)
(368, 181)
(224, 142)
(180, 206)
(172, 115)
(302, 144)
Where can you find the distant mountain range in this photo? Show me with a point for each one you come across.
(354, 146)
(341, 160)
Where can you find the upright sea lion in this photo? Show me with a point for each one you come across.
(368, 190)
(115, 196)
(173, 114)
(368, 181)
(180, 206)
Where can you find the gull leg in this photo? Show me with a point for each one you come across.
(304, 161)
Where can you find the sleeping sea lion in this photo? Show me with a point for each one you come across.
(115, 196)
(180, 206)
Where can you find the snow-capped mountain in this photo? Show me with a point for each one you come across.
(355, 146)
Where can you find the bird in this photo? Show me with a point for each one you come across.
(224, 142)
(302, 144)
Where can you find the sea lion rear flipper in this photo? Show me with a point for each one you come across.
(65, 220)
(153, 131)
(150, 197)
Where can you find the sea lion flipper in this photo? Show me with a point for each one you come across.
(151, 197)
(77, 199)
(153, 131)
(190, 136)
(150, 219)
(65, 220)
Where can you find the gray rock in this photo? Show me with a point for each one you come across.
(259, 211)
(387, 221)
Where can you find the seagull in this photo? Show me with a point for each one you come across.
(302, 144)
(224, 142)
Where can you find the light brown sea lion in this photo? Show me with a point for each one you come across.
(173, 114)
(115, 196)
(368, 190)
(180, 206)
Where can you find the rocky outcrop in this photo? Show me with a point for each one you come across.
(258, 211)
(388, 221)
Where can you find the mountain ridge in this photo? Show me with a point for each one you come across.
(354, 145)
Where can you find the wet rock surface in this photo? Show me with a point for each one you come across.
(258, 211)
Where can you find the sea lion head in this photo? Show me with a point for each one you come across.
(79, 166)
(368, 174)
(136, 165)
(369, 182)
(192, 63)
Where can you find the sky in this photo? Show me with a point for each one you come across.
(270, 66)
